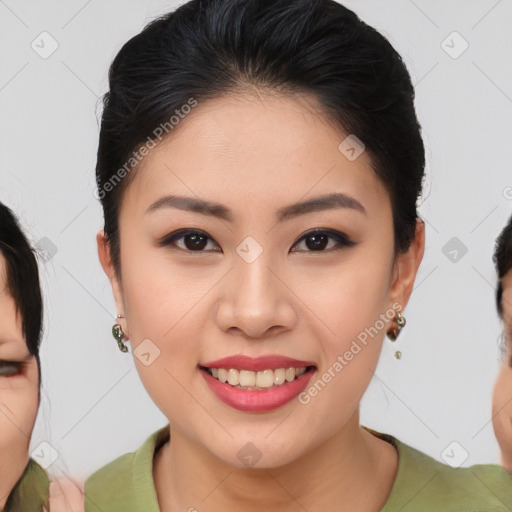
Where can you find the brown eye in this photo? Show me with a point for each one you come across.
(318, 241)
(10, 368)
(190, 240)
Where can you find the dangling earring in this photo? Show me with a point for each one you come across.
(119, 335)
(393, 333)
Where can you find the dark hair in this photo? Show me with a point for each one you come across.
(208, 48)
(22, 277)
(502, 259)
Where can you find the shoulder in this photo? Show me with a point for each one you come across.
(108, 483)
(479, 487)
(31, 490)
(37, 476)
(127, 480)
(424, 484)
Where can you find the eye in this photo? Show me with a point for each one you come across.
(317, 240)
(191, 240)
(10, 368)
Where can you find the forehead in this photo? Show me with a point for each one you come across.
(11, 336)
(272, 149)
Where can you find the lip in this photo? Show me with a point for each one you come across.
(257, 401)
(256, 364)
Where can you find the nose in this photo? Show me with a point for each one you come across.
(256, 301)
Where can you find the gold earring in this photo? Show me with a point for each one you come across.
(119, 335)
(393, 333)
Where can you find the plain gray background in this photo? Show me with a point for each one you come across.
(94, 407)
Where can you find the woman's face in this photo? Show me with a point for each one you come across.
(250, 279)
(19, 395)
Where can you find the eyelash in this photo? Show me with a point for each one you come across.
(5, 366)
(342, 239)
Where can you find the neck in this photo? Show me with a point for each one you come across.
(353, 470)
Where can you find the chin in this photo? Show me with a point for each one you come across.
(255, 452)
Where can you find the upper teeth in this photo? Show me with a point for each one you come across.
(261, 379)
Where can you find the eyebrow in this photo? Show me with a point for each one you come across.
(321, 203)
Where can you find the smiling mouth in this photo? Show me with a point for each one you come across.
(257, 380)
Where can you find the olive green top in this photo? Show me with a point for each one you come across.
(30, 492)
(422, 484)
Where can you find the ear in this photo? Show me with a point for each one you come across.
(406, 267)
(109, 269)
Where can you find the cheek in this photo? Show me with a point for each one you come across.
(502, 393)
(502, 409)
(18, 409)
(162, 308)
(158, 292)
(352, 300)
(355, 314)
